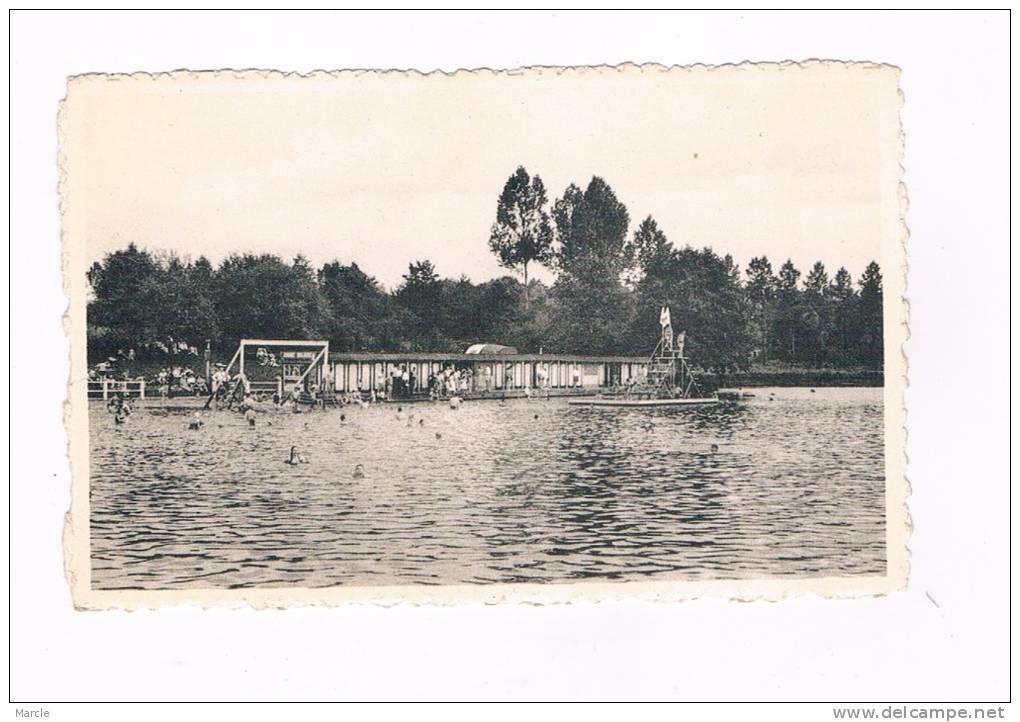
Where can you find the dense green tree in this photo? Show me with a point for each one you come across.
(843, 305)
(265, 297)
(706, 301)
(522, 234)
(870, 317)
(591, 307)
(500, 309)
(651, 247)
(120, 309)
(761, 288)
(817, 282)
(816, 316)
(421, 296)
(360, 311)
(591, 229)
(460, 321)
(150, 303)
(588, 316)
(605, 298)
(180, 303)
(789, 310)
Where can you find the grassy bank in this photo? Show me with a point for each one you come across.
(792, 376)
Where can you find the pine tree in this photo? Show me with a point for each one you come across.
(788, 309)
(761, 290)
(843, 302)
(815, 317)
(870, 317)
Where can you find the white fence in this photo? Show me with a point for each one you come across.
(105, 388)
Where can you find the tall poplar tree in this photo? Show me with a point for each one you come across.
(522, 233)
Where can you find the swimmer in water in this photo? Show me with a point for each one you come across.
(400, 413)
(120, 418)
(439, 435)
(249, 416)
(715, 448)
(421, 422)
(359, 472)
(296, 457)
(196, 422)
(455, 402)
(343, 418)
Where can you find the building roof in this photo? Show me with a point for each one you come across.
(407, 357)
(490, 348)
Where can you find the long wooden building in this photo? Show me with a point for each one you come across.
(491, 372)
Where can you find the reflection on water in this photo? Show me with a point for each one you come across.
(526, 491)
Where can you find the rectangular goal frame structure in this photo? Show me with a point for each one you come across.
(289, 364)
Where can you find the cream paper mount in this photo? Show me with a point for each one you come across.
(379, 462)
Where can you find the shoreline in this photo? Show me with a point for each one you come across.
(819, 378)
(710, 382)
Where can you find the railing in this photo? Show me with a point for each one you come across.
(667, 367)
(105, 388)
(267, 387)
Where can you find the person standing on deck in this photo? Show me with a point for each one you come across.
(219, 378)
(542, 376)
(327, 381)
(667, 329)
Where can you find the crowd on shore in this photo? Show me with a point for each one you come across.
(120, 377)
(167, 381)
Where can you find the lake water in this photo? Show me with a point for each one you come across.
(526, 491)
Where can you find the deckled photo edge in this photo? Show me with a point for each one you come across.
(76, 529)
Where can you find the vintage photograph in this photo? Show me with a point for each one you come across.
(539, 334)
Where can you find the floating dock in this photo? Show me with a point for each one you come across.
(595, 401)
(734, 394)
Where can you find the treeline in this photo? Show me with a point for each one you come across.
(609, 285)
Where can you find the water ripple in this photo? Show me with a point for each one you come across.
(529, 491)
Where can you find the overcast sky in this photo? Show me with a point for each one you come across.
(382, 169)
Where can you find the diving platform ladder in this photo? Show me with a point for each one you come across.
(669, 373)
